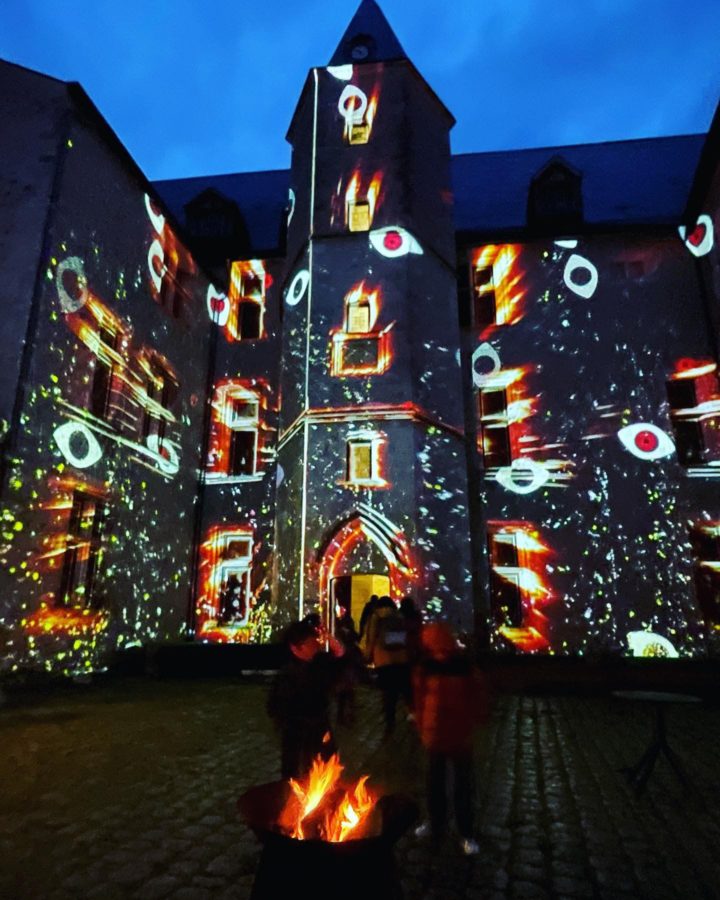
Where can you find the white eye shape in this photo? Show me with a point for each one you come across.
(342, 73)
(646, 441)
(157, 219)
(394, 241)
(78, 444)
(298, 288)
(701, 238)
(291, 200)
(166, 455)
(351, 111)
(485, 352)
(156, 263)
(570, 244)
(71, 284)
(218, 306)
(587, 284)
(523, 476)
(647, 643)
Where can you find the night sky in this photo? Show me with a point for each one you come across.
(199, 88)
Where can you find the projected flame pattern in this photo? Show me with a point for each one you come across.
(584, 378)
(96, 546)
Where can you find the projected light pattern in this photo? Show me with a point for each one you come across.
(96, 547)
(597, 387)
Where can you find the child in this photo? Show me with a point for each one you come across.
(449, 701)
(299, 698)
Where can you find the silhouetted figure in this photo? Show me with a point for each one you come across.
(450, 700)
(352, 668)
(386, 650)
(413, 625)
(299, 698)
(367, 611)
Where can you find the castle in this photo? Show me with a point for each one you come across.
(488, 381)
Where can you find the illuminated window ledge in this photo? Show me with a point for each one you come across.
(704, 470)
(361, 484)
(369, 353)
(223, 478)
(525, 639)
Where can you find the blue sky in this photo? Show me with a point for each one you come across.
(196, 88)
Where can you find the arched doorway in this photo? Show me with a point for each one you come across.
(346, 573)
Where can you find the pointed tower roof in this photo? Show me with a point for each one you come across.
(368, 38)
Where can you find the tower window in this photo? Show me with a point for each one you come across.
(232, 577)
(362, 465)
(358, 215)
(505, 592)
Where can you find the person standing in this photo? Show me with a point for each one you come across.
(386, 650)
(450, 700)
(299, 698)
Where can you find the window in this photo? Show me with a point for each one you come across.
(160, 391)
(247, 300)
(232, 578)
(358, 215)
(358, 316)
(362, 463)
(484, 302)
(494, 428)
(693, 395)
(505, 592)
(555, 197)
(101, 387)
(497, 284)
(358, 349)
(83, 551)
(705, 541)
(234, 435)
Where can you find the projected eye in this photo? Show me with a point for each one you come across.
(352, 104)
(700, 240)
(166, 456)
(78, 444)
(157, 219)
(394, 241)
(156, 263)
(485, 363)
(291, 201)
(71, 284)
(523, 476)
(342, 73)
(646, 441)
(647, 643)
(298, 288)
(218, 306)
(580, 275)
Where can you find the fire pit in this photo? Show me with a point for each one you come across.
(326, 838)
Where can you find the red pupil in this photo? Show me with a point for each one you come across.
(646, 440)
(217, 304)
(392, 240)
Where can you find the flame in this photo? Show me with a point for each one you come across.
(507, 278)
(523, 538)
(315, 793)
(354, 194)
(373, 193)
(65, 620)
(372, 109)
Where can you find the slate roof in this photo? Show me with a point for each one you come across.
(625, 183)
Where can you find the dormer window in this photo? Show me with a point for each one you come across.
(555, 198)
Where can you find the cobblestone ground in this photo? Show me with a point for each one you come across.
(128, 789)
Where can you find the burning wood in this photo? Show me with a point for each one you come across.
(320, 807)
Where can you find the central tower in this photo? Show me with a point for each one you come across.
(372, 485)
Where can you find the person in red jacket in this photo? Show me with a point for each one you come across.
(450, 699)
